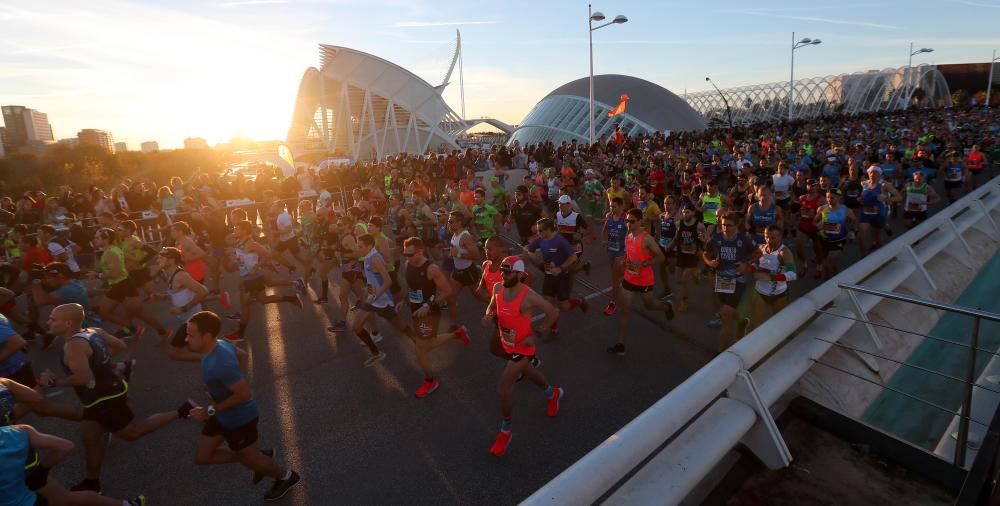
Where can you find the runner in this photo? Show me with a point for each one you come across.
(955, 176)
(834, 220)
(875, 198)
(614, 232)
(232, 417)
(137, 255)
(729, 253)
(61, 286)
(103, 392)
(773, 268)
(16, 370)
(687, 242)
(378, 298)
(465, 253)
(121, 291)
(666, 230)
(485, 217)
(426, 285)
(524, 214)
(511, 307)
(556, 258)
(491, 277)
(808, 206)
(763, 212)
(185, 296)
(641, 253)
(572, 225)
(918, 196)
(975, 162)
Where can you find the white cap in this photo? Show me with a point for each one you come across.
(565, 199)
(876, 168)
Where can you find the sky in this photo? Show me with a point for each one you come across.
(166, 70)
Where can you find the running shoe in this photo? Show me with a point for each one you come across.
(715, 323)
(500, 443)
(234, 316)
(669, 310)
(553, 400)
(373, 359)
(234, 337)
(666, 296)
(610, 308)
(462, 334)
(137, 501)
(427, 387)
(337, 327)
(618, 349)
(257, 477)
(356, 306)
(376, 338)
(87, 485)
(224, 300)
(280, 487)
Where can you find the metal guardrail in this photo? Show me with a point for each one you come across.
(724, 404)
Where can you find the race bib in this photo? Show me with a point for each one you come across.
(914, 207)
(725, 285)
(613, 247)
(870, 210)
(689, 249)
(665, 242)
(508, 336)
(831, 228)
(416, 296)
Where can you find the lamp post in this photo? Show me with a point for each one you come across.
(989, 82)
(729, 111)
(596, 16)
(791, 79)
(909, 69)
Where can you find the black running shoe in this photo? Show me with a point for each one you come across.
(87, 485)
(535, 361)
(280, 487)
(618, 349)
(257, 477)
(669, 311)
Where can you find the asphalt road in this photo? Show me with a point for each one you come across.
(359, 436)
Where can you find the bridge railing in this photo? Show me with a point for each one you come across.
(724, 403)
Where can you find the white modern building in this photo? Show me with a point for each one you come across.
(361, 106)
(121, 147)
(149, 147)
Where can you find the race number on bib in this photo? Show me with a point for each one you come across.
(724, 284)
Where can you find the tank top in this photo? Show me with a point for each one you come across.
(953, 173)
(105, 384)
(668, 229)
(180, 298)
(852, 193)
(916, 198)
(870, 204)
(808, 207)
(375, 281)
(770, 263)
(514, 326)
(460, 263)
(246, 262)
(688, 238)
(567, 224)
(616, 234)
(710, 205)
(420, 287)
(834, 223)
(634, 252)
(612, 193)
(761, 218)
(119, 259)
(491, 277)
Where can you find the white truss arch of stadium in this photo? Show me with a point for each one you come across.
(564, 117)
(362, 106)
(860, 92)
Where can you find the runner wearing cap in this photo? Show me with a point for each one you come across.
(875, 198)
(511, 307)
(572, 225)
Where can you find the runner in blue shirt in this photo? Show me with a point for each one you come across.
(555, 255)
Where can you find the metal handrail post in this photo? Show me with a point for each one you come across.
(970, 379)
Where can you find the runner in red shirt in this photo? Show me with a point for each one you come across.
(511, 307)
(974, 163)
(809, 204)
(33, 254)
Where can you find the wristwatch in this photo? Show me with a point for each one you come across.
(210, 410)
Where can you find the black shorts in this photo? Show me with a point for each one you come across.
(25, 376)
(387, 312)
(733, 299)
(636, 288)
(784, 204)
(831, 246)
(237, 438)
(557, 287)
(253, 286)
(953, 185)
(122, 290)
(113, 414)
(289, 245)
(139, 276)
(469, 276)
(686, 261)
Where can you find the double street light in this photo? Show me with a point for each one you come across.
(791, 80)
(598, 17)
(909, 68)
(729, 111)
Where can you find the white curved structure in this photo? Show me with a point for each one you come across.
(872, 91)
(362, 106)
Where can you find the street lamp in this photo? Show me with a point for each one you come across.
(729, 112)
(989, 83)
(791, 80)
(909, 66)
(596, 16)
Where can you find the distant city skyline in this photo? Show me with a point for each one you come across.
(167, 71)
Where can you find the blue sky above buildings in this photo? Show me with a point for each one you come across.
(168, 70)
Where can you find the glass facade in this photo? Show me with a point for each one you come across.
(559, 118)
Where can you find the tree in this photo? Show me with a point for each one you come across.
(960, 98)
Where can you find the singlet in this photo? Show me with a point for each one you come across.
(782, 186)
(954, 173)
(916, 198)
(808, 207)
(974, 161)
(132, 247)
(105, 384)
(567, 224)
(852, 193)
(634, 252)
(375, 281)
(834, 223)
(491, 277)
(870, 204)
(612, 193)
(770, 263)
(688, 238)
(246, 262)
(420, 287)
(668, 229)
(710, 205)
(616, 234)
(761, 218)
(456, 240)
(180, 298)
(119, 255)
(514, 326)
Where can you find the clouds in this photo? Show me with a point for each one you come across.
(816, 19)
(431, 24)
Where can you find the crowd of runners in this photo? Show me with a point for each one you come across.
(725, 218)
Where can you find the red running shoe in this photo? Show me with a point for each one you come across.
(610, 308)
(557, 395)
(462, 334)
(224, 300)
(500, 444)
(426, 388)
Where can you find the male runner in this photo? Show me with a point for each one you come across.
(185, 296)
(834, 220)
(60, 286)
(121, 291)
(614, 232)
(729, 253)
(554, 254)
(511, 307)
(233, 415)
(464, 251)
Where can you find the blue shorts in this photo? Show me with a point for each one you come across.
(875, 220)
(615, 255)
